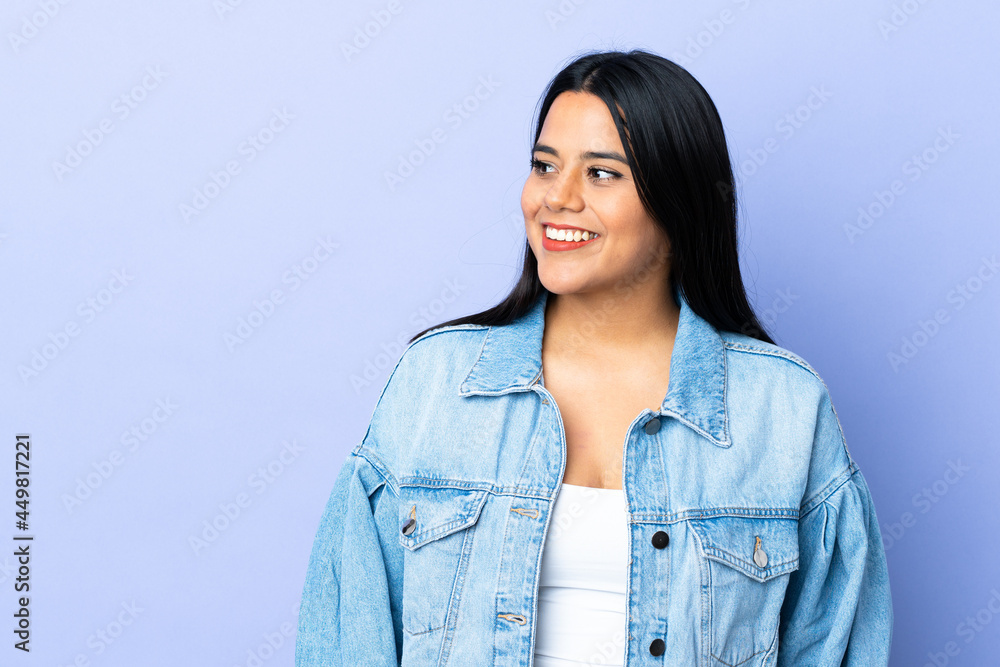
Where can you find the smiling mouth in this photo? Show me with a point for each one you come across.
(567, 238)
(576, 235)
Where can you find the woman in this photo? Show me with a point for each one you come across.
(674, 487)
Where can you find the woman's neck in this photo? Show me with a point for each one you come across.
(605, 324)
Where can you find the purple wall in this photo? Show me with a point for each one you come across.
(209, 275)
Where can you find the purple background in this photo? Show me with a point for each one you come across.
(444, 242)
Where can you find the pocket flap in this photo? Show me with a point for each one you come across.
(436, 512)
(760, 548)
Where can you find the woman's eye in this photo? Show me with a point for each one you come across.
(610, 174)
(538, 166)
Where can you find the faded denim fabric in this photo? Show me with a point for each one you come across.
(430, 547)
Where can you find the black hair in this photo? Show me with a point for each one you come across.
(676, 148)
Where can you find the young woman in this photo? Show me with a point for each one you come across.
(616, 461)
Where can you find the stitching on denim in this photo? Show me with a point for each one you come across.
(531, 448)
(522, 491)
(399, 362)
(532, 513)
(697, 429)
(831, 488)
(725, 390)
(706, 606)
(717, 512)
(741, 662)
(802, 363)
(840, 428)
(467, 518)
(502, 564)
(748, 568)
(538, 566)
(470, 376)
(772, 649)
(769, 650)
(798, 361)
(422, 632)
(498, 490)
(452, 327)
(444, 483)
(365, 452)
(794, 358)
(418, 539)
(455, 599)
(751, 570)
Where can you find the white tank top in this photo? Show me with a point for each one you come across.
(582, 583)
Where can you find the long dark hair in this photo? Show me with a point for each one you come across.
(677, 151)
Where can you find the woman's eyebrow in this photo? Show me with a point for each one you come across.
(588, 155)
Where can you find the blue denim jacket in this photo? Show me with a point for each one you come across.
(430, 546)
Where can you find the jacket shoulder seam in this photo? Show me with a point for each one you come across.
(824, 494)
(802, 363)
(784, 354)
(451, 327)
(363, 452)
(392, 374)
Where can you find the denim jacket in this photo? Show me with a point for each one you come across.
(752, 536)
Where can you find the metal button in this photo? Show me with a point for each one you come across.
(657, 647)
(660, 539)
(652, 426)
(759, 555)
(409, 526)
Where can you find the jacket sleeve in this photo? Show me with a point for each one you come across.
(350, 613)
(837, 609)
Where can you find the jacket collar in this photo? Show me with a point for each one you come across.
(511, 360)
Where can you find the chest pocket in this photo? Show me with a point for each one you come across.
(436, 527)
(746, 566)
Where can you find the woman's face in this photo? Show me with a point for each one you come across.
(580, 179)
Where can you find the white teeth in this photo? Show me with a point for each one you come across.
(568, 234)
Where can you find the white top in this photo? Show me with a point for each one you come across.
(583, 578)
